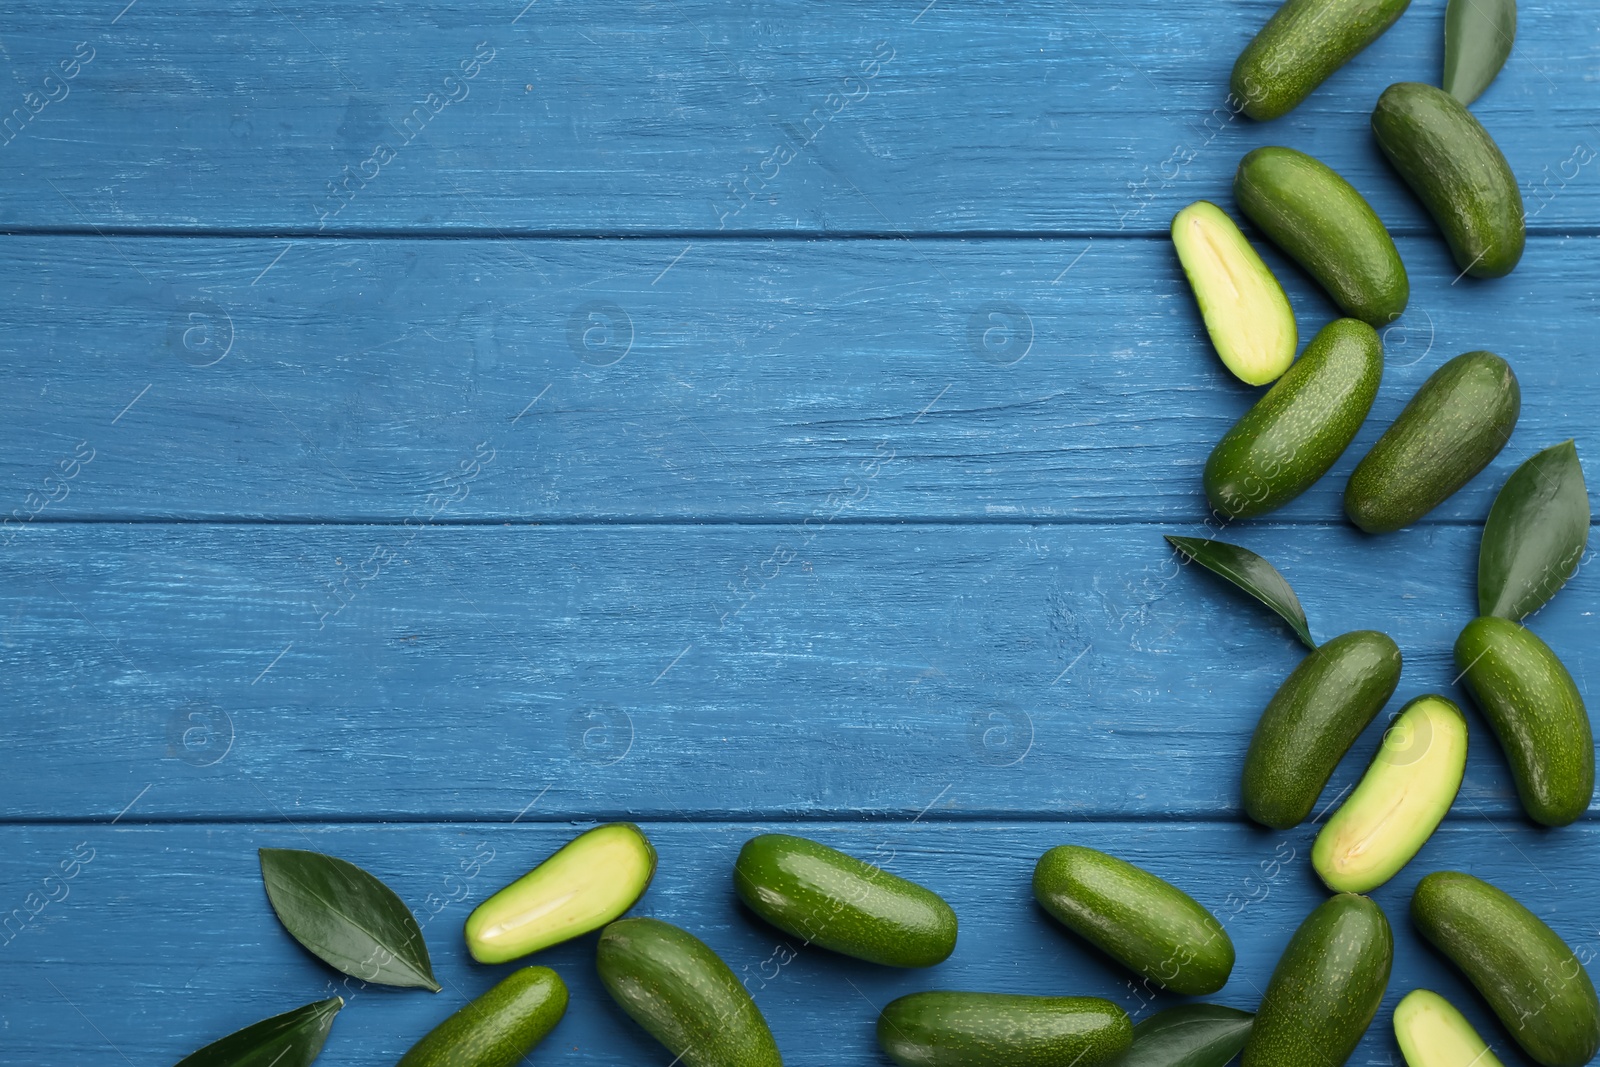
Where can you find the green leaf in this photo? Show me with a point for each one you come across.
(1251, 573)
(346, 918)
(1535, 534)
(292, 1039)
(1478, 35)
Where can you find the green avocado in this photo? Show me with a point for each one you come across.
(1536, 713)
(673, 985)
(500, 1027)
(1311, 722)
(1148, 925)
(1524, 970)
(1449, 160)
(1328, 228)
(951, 1029)
(838, 902)
(1326, 988)
(1299, 429)
(1457, 422)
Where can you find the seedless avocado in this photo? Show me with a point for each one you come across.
(1522, 968)
(951, 1029)
(673, 985)
(1326, 987)
(1457, 422)
(1311, 722)
(1536, 713)
(1327, 227)
(1449, 160)
(1303, 43)
(588, 882)
(1432, 1033)
(836, 901)
(1148, 925)
(1188, 1035)
(1245, 309)
(1401, 800)
(1293, 434)
(500, 1027)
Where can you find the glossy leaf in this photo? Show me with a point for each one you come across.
(347, 918)
(1478, 35)
(1251, 573)
(1188, 1035)
(1535, 534)
(292, 1039)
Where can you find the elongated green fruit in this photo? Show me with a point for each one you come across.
(1328, 228)
(1148, 925)
(1303, 43)
(838, 902)
(1522, 967)
(1311, 722)
(673, 985)
(589, 881)
(1326, 987)
(500, 1027)
(1536, 714)
(1406, 792)
(1245, 309)
(1298, 430)
(947, 1029)
(1457, 422)
(1188, 1035)
(1432, 1033)
(1449, 160)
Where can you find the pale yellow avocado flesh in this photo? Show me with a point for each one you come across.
(1245, 310)
(589, 881)
(1401, 800)
(1432, 1033)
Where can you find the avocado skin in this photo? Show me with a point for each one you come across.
(673, 985)
(1311, 722)
(1300, 46)
(1449, 160)
(1536, 713)
(1145, 923)
(951, 1029)
(500, 1027)
(1524, 969)
(833, 900)
(1319, 219)
(1457, 422)
(1300, 428)
(1326, 988)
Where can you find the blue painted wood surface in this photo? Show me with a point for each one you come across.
(364, 496)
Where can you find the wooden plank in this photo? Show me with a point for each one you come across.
(702, 117)
(651, 380)
(721, 671)
(164, 939)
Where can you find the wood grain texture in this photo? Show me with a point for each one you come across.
(705, 116)
(362, 498)
(738, 380)
(164, 940)
(702, 670)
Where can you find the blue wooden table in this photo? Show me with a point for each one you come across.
(430, 429)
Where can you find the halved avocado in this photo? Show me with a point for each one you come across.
(589, 881)
(1245, 309)
(1433, 1034)
(1401, 800)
